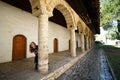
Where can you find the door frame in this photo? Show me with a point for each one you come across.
(14, 43)
(55, 39)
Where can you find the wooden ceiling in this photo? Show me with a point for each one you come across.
(57, 17)
(89, 11)
(22, 4)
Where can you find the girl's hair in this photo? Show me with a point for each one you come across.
(30, 47)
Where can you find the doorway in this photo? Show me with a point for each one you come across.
(85, 43)
(55, 45)
(19, 47)
(76, 44)
(69, 45)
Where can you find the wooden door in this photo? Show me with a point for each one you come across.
(76, 44)
(69, 45)
(55, 45)
(19, 47)
(85, 43)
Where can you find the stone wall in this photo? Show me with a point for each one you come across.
(14, 21)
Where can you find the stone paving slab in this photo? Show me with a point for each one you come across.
(93, 66)
(24, 69)
(87, 68)
(19, 70)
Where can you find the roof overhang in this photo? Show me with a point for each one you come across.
(89, 11)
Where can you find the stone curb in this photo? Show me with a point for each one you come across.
(55, 74)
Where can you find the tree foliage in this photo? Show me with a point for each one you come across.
(118, 26)
(107, 26)
(113, 33)
(110, 11)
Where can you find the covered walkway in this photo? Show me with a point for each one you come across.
(24, 69)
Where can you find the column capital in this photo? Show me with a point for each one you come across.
(43, 16)
(44, 12)
(39, 7)
(81, 33)
(72, 27)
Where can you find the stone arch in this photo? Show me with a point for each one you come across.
(86, 31)
(47, 7)
(65, 9)
(90, 33)
(80, 27)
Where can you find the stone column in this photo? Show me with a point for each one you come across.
(90, 43)
(87, 42)
(43, 43)
(82, 42)
(72, 42)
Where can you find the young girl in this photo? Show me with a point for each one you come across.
(34, 49)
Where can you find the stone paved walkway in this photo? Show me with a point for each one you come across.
(24, 69)
(87, 68)
(93, 66)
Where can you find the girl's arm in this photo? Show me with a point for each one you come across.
(36, 52)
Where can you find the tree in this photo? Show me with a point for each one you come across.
(110, 12)
(107, 26)
(112, 33)
(110, 9)
(118, 25)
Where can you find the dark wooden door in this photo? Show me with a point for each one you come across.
(19, 47)
(55, 45)
(85, 43)
(69, 45)
(76, 44)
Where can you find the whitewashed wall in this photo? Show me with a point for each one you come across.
(14, 21)
(78, 39)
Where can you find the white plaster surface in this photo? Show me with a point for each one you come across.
(14, 21)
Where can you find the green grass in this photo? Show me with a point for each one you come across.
(115, 63)
(100, 45)
(113, 55)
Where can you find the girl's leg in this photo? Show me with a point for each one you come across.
(36, 66)
(36, 62)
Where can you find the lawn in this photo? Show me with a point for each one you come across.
(113, 55)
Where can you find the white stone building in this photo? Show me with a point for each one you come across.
(18, 28)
